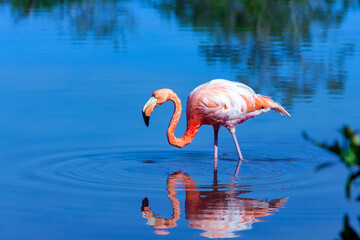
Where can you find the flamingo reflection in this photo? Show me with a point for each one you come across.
(218, 213)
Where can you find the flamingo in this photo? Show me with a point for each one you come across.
(218, 212)
(218, 103)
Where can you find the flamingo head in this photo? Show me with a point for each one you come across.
(158, 97)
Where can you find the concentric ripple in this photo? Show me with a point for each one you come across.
(109, 171)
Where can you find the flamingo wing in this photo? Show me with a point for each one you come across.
(225, 103)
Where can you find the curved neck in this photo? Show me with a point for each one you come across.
(191, 128)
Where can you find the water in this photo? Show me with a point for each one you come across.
(77, 161)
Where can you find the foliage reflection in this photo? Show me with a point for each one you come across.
(280, 48)
(277, 46)
(102, 20)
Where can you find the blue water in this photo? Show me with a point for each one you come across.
(77, 160)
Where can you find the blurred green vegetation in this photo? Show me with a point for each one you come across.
(348, 152)
(348, 233)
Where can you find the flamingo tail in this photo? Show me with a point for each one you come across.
(268, 103)
(281, 110)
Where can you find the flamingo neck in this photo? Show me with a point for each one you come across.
(191, 128)
(190, 187)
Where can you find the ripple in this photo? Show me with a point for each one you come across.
(109, 171)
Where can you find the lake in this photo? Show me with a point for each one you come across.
(78, 162)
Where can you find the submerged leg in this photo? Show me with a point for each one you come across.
(216, 131)
(232, 131)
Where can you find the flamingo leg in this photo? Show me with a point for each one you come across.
(238, 151)
(216, 131)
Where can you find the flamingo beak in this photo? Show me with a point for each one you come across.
(147, 109)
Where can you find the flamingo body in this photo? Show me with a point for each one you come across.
(225, 103)
(218, 103)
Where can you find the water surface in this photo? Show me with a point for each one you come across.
(78, 162)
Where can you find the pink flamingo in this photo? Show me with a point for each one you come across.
(218, 212)
(218, 103)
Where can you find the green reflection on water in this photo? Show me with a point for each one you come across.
(284, 49)
(270, 43)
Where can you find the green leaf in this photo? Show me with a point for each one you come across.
(351, 157)
(324, 165)
(349, 182)
(350, 154)
(348, 233)
(351, 135)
